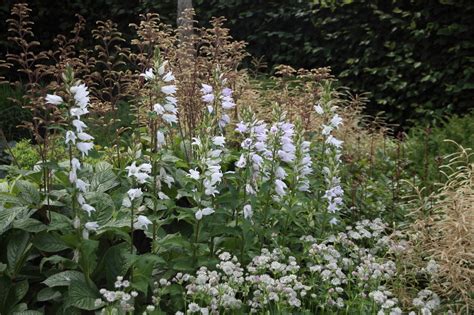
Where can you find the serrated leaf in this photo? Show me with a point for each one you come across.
(82, 296)
(64, 278)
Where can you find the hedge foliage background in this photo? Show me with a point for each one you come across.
(414, 58)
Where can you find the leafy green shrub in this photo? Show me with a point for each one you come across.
(425, 147)
(26, 156)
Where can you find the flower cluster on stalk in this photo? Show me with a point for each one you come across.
(83, 142)
(334, 192)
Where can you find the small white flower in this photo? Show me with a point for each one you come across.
(319, 109)
(148, 75)
(134, 193)
(168, 77)
(53, 99)
(194, 174)
(88, 208)
(142, 223)
(145, 167)
(161, 69)
(84, 136)
(219, 141)
(81, 185)
(84, 147)
(241, 162)
(248, 212)
(70, 137)
(336, 120)
(160, 139)
(132, 169)
(81, 95)
(92, 226)
(170, 118)
(79, 125)
(159, 109)
(208, 98)
(207, 211)
(168, 89)
(78, 112)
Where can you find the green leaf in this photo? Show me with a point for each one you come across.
(88, 257)
(47, 294)
(64, 278)
(49, 242)
(82, 296)
(27, 312)
(116, 262)
(104, 178)
(142, 270)
(7, 216)
(28, 192)
(30, 225)
(17, 250)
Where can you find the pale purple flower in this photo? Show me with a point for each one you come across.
(79, 125)
(82, 185)
(158, 109)
(206, 89)
(218, 141)
(84, 136)
(208, 98)
(248, 212)
(194, 174)
(170, 118)
(319, 109)
(280, 187)
(91, 226)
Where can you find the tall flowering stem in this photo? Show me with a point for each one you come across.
(332, 151)
(78, 141)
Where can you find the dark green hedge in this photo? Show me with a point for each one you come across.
(415, 58)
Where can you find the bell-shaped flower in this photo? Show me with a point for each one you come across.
(148, 75)
(70, 137)
(132, 169)
(194, 174)
(78, 112)
(81, 95)
(91, 226)
(53, 99)
(248, 212)
(79, 125)
(168, 89)
(318, 109)
(158, 109)
(163, 196)
(168, 77)
(170, 118)
(218, 141)
(82, 185)
(160, 139)
(84, 147)
(87, 208)
(134, 193)
(280, 187)
(208, 98)
(84, 136)
(142, 223)
(206, 89)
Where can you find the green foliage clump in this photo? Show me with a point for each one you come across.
(11, 112)
(25, 154)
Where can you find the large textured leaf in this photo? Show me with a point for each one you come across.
(47, 294)
(17, 250)
(104, 178)
(116, 262)
(28, 192)
(104, 206)
(49, 242)
(82, 296)
(30, 225)
(7, 216)
(64, 278)
(142, 270)
(88, 257)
